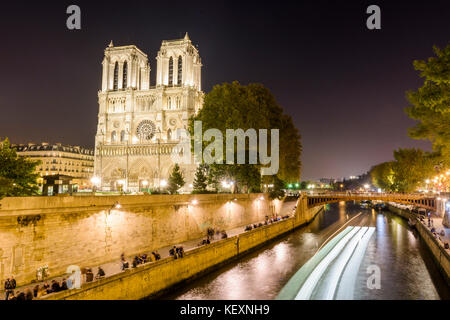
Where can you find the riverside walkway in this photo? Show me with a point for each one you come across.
(115, 267)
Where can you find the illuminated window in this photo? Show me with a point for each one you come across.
(113, 136)
(116, 76)
(170, 71)
(125, 75)
(180, 70)
(122, 136)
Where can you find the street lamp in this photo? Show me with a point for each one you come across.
(95, 182)
(145, 184)
(121, 183)
(163, 183)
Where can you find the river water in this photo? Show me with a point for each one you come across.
(406, 267)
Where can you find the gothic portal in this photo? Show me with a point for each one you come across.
(137, 123)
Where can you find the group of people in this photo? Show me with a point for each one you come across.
(139, 259)
(266, 222)
(434, 231)
(176, 252)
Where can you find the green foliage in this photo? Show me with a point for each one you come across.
(383, 175)
(407, 172)
(277, 192)
(431, 102)
(234, 106)
(176, 180)
(201, 179)
(17, 174)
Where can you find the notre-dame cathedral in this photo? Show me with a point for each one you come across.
(137, 123)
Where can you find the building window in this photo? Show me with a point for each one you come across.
(116, 76)
(180, 70)
(170, 71)
(125, 75)
(169, 103)
(169, 134)
(113, 136)
(122, 136)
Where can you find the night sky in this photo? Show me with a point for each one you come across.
(344, 85)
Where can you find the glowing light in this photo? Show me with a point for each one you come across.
(117, 206)
(121, 182)
(261, 198)
(135, 139)
(163, 183)
(145, 183)
(194, 202)
(95, 180)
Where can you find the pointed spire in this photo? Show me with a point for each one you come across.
(111, 44)
(186, 36)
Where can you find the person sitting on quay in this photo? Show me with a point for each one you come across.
(21, 296)
(55, 287)
(156, 255)
(63, 285)
(180, 252)
(136, 261)
(28, 294)
(89, 275)
(125, 264)
(12, 297)
(100, 274)
(173, 252)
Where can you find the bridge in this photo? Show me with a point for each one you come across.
(417, 199)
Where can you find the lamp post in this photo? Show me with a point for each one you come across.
(95, 182)
(144, 184)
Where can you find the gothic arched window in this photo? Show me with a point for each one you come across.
(116, 76)
(169, 103)
(125, 75)
(122, 136)
(180, 70)
(113, 136)
(169, 134)
(170, 71)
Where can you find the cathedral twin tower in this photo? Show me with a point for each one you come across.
(137, 123)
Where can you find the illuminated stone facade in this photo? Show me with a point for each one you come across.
(56, 158)
(137, 123)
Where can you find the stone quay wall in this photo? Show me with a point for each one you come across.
(151, 280)
(91, 230)
(438, 252)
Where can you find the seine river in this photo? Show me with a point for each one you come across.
(406, 268)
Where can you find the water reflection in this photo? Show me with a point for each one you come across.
(407, 271)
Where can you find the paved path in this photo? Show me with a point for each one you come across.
(113, 268)
(436, 222)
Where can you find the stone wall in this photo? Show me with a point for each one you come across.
(155, 278)
(87, 230)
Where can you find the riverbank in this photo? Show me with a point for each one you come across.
(435, 245)
(154, 279)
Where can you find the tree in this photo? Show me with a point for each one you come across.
(235, 106)
(430, 104)
(201, 179)
(407, 172)
(176, 180)
(383, 176)
(411, 167)
(277, 191)
(17, 174)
